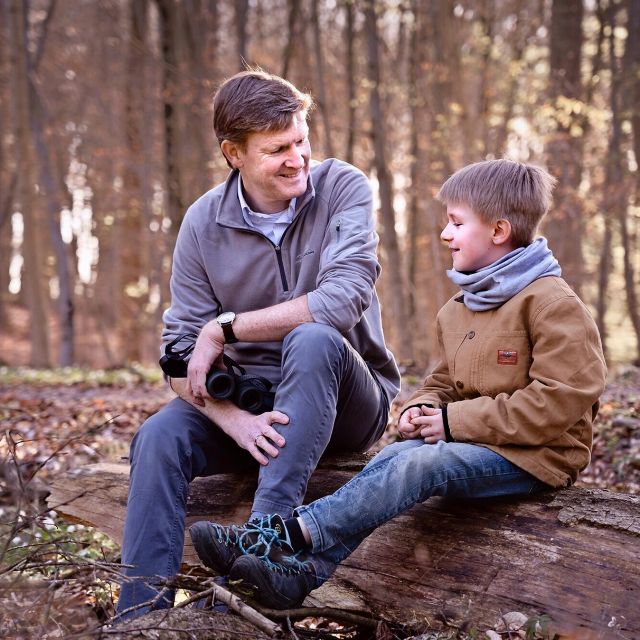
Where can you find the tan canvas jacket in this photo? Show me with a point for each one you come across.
(523, 380)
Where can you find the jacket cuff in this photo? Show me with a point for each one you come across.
(445, 421)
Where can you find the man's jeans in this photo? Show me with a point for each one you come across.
(333, 403)
(400, 476)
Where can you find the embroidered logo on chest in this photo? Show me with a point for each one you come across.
(507, 357)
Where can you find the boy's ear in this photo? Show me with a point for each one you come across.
(232, 152)
(501, 231)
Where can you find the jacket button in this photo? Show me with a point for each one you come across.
(471, 335)
(459, 384)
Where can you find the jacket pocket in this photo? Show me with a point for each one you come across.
(504, 363)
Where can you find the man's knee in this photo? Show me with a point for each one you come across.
(311, 343)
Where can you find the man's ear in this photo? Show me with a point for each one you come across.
(501, 231)
(233, 153)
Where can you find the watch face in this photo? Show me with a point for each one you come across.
(226, 317)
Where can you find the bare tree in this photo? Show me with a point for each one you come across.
(33, 241)
(242, 31)
(320, 87)
(628, 90)
(293, 28)
(564, 148)
(350, 64)
(395, 290)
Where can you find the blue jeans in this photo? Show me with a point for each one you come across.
(333, 402)
(400, 476)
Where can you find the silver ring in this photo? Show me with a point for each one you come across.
(255, 440)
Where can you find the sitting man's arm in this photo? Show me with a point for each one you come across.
(262, 325)
(242, 426)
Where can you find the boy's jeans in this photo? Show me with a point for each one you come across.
(333, 402)
(401, 475)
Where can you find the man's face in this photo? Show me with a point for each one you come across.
(274, 165)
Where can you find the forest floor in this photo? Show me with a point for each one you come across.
(55, 421)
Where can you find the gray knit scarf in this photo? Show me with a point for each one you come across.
(490, 287)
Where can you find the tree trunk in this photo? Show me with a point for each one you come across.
(620, 94)
(242, 31)
(32, 244)
(9, 174)
(439, 51)
(350, 63)
(572, 555)
(564, 149)
(49, 190)
(401, 338)
(632, 63)
(630, 95)
(134, 269)
(292, 33)
(175, 202)
(320, 89)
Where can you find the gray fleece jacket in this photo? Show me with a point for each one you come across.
(328, 252)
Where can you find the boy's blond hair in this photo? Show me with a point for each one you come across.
(495, 189)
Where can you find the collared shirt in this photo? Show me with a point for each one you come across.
(272, 225)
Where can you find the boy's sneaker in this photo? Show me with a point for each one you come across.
(279, 584)
(219, 546)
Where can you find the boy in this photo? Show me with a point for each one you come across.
(507, 410)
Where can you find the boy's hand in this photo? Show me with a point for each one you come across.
(422, 422)
(431, 425)
(406, 429)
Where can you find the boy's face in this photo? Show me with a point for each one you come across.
(474, 243)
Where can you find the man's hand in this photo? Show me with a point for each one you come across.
(208, 349)
(422, 422)
(257, 436)
(251, 432)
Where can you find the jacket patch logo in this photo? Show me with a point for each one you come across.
(507, 357)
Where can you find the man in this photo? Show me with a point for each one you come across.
(276, 267)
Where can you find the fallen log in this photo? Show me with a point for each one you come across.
(572, 555)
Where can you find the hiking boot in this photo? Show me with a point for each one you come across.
(219, 546)
(282, 584)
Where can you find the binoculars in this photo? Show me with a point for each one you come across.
(249, 392)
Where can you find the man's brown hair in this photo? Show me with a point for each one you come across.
(255, 101)
(495, 189)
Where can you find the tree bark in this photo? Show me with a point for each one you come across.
(320, 90)
(572, 554)
(401, 337)
(564, 149)
(168, 26)
(32, 244)
(133, 269)
(242, 32)
(350, 64)
(49, 189)
(629, 97)
(415, 162)
(293, 13)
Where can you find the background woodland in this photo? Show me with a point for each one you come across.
(106, 138)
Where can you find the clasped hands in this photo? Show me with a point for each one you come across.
(422, 422)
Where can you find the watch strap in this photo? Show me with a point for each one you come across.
(227, 330)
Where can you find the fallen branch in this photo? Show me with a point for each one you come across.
(219, 594)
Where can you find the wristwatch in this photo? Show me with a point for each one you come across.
(225, 320)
